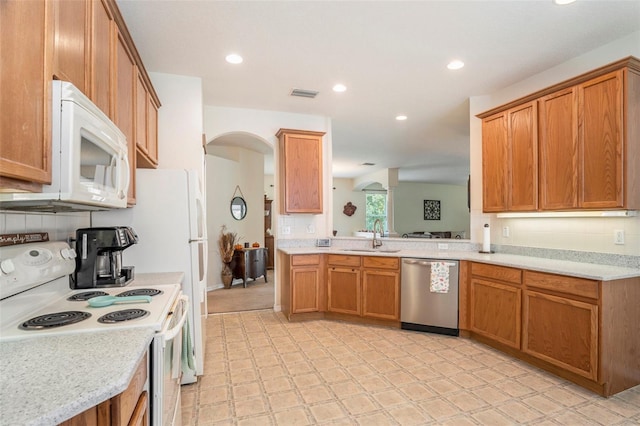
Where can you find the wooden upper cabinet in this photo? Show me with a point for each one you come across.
(494, 163)
(510, 160)
(587, 151)
(71, 57)
(25, 92)
(559, 150)
(102, 54)
(146, 121)
(301, 171)
(523, 157)
(124, 104)
(601, 141)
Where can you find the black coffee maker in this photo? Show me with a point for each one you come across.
(99, 257)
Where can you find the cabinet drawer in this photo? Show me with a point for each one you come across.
(501, 273)
(377, 262)
(305, 259)
(561, 283)
(343, 260)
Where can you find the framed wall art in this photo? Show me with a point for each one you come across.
(431, 209)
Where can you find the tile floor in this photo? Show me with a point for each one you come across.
(262, 370)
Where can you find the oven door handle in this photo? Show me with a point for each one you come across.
(170, 334)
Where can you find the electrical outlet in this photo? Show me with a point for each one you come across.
(311, 229)
(505, 231)
(442, 246)
(618, 236)
(286, 230)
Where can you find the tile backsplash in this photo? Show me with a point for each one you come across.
(60, 226)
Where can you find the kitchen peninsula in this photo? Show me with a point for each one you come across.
(570, 318)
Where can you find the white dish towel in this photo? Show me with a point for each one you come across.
(439, 277)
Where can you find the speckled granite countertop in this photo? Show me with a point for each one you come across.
(47, 380)
(564, 267)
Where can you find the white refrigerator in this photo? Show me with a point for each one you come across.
(169, 218)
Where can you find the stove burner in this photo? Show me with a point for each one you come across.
(140, 292)
(56, 319)
(124, 315)
(86, 295)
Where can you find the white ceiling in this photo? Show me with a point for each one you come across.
(391, 55)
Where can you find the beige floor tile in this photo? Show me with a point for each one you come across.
(492, 417)
(210, 396)
(294, 417)
(325, 412)
(283, 400)
(261, 369)
(316, 394)
(249, 407)
(408, 415)
(359, 404)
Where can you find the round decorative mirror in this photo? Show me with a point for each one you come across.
(238, 208)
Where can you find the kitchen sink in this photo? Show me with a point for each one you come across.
(367, 250)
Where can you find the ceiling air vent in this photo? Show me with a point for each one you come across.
(303, 93)
(368, 164)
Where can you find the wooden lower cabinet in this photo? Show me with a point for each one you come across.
(130, 407)
(495, 311)
(343, 287)
(561, 331)
(496, 303)
(302, 289)
(366, 286)
(583, 330)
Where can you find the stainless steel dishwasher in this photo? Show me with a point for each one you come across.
(420, 308)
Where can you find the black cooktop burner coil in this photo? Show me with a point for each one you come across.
(140, 292)
(56, 319)
(123, 315)
(84, 296)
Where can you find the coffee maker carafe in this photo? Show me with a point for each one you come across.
(99, 261)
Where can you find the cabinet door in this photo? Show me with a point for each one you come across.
(494, 163)
(301, 177)
(562, 331)
(124, 114)
(146, 125)
(305, 285)
(344, 290)
(71, 43)
(601, 142)
(381, 294)
(523, 157)
(152, 130)
(102, 28)
(495, 311)
(558, 139)
(25, 130)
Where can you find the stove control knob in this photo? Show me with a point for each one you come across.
(7, 266)
(68, 253)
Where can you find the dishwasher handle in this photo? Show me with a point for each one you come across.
(425, 262)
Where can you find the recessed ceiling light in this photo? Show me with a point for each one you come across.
(563, 2)
(339, 88)
(455, 65)
(233, 58)
(401, 117)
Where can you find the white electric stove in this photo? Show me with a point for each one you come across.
(36, 301)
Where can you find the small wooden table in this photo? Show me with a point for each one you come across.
(249, 263)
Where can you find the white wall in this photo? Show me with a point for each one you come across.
(409, 207)
(342, 194)
(582, 234)
(180, 122)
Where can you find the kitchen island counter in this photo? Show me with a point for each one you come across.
(48, 380)
(586, 270)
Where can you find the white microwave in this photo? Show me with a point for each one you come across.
(89, 164)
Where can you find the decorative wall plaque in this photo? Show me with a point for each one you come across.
(349, 209)
(431, 209)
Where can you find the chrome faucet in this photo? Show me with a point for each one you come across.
(377, 243)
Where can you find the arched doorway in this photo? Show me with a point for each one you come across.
(239, 163)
